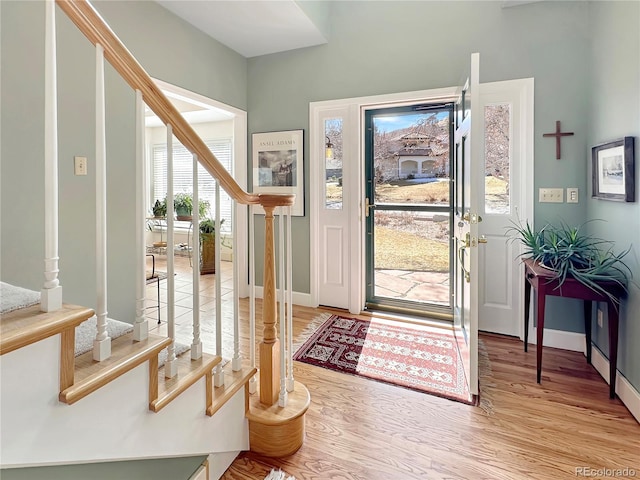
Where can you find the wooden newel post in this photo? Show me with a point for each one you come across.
(270, 346)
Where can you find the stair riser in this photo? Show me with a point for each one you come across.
(111, 424)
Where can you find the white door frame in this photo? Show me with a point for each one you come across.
(524, 202)
(356, 108)
(240, 242)
(352, 127)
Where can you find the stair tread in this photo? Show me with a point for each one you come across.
(233, 381)
(189, 372)
(126, 354)
(29, 325)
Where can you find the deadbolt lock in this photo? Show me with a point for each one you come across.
(472, 217)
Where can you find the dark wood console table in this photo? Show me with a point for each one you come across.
(542, 280)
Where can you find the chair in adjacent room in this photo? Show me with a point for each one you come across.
(154, 276)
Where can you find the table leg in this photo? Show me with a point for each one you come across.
(612, 313)
(527, 303)
(587, 328)
(540, 330)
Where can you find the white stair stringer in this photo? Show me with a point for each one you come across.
(113, 423)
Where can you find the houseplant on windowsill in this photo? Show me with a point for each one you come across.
(570, 253)
(183, 206)
(208, 245)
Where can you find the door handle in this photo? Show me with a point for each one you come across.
(467, 274)
(482, 239)
(367, 206)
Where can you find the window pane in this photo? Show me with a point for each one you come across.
(183, 178)
(497, 136)
(333, 163)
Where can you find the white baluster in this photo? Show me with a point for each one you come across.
(141, 325)
(51, 293)
(196, 346)
(283, 397)
(236, 362)
(289, 250)
(218, 374)
(171, 365)
(252, 300)
(102, 342)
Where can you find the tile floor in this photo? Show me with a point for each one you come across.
(418, 286)
(183, 310)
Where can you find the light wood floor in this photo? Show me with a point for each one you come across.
(362, 429)
(366, 430)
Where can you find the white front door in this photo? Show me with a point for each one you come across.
(468, 176)
(506, 113)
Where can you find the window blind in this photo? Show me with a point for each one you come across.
(183, 177)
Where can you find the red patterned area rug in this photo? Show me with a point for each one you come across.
(418, 357)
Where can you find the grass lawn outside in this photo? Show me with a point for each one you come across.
(398, 250)
(418, 246)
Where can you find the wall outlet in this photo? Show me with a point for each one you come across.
(572, 195)
(551, 195)
(600, 318)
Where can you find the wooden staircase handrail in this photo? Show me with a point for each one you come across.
(91, 24)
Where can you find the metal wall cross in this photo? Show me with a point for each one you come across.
(558, 134)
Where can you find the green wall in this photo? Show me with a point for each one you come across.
(160, 469)
(185, 57)
(387, 47)
(615, 113)
(375, 48)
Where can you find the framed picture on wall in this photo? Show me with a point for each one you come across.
(278, 165)
(613, 170)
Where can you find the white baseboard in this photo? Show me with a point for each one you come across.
(219, 462)
(303, 299)
(575, 342)
(627, 393)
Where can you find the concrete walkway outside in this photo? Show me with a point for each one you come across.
(426, 287)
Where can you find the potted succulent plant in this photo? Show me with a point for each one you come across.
(569, 252)
(160, 208)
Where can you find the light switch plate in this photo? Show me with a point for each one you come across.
(551, 195)
(80, 165)
(572, 195)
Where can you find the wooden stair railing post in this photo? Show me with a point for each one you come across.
(252, 299)
(196, 344)
(270, 346)
(141, 325)
(289, 259)
(218, 373)
(51, 293)
(171, 364)
(102, 342)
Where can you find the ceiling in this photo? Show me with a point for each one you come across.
(252, 27)
(192, 110)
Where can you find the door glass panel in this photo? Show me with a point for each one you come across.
(411, 163)
(411, 260)
(409, 213)
(333, 163)
(497, 154)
